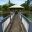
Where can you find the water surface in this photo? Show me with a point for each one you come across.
(1, 18)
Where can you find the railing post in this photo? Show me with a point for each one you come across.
(10, 17)
(21, 17)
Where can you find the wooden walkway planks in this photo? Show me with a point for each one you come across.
(17, 26)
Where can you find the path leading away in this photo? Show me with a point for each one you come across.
(17, 25)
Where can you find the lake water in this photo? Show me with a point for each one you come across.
(1, 18)
(30, 17)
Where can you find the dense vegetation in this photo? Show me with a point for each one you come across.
(4, 9)
(27, 8)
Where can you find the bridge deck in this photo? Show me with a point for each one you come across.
(17, 25)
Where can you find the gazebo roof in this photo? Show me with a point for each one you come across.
(16, 6)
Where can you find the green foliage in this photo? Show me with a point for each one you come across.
(10, 4)
(28, 2)
(5, 7)
(25, 5)
(26, 8)
(0, 7)
(31, 8)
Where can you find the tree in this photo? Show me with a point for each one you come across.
(26, 8)
(0, 7)
(25, 5)
(10, 4)
(31, 8)
(28, 2)
(5, 7)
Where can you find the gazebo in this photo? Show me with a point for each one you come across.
(16, 8)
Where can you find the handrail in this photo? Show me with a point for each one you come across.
(28, 20)
(5, 18)
(9, 26)
(4, 21)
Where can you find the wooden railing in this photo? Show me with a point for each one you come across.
(26, 22)
(6, 22)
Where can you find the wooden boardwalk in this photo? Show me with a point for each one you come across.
(17, 25)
